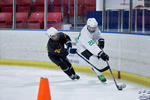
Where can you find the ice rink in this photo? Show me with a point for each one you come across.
(22, 83)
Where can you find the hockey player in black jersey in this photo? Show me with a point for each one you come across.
(58, 53)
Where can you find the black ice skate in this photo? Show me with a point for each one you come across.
(77, 76)
(102, 78)
(73, 77)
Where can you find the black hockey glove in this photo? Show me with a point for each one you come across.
(72, 50)
(101, 43)
(69, 48)
(103, 56)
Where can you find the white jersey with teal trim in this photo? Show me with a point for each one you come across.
(87, 40)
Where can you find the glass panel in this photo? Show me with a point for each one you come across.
(147, 21)
(61, 13)
(86, 9)
(6, 13)
(29, 14)
(125, 21)
(147, 3)
(57, 11)
(23, 8)
(139, 20)
(113, 20)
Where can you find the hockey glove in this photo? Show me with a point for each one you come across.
(101, 43)
(103, 56)
(69, 48)
(72, 50)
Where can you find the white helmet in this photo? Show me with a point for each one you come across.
(91, 22)
(51, 31)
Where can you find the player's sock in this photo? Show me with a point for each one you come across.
(72, 70)
(67, 71)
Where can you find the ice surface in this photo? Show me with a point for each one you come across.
(22, 83)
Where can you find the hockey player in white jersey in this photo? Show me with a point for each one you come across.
(89, 45)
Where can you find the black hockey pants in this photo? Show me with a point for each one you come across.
(63, 62)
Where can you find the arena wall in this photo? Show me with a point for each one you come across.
(128, 52)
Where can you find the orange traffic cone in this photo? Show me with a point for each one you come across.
(44, 91)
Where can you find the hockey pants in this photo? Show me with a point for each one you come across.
(98, 63)
(64, 64)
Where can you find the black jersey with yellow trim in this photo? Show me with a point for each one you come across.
(56, 47)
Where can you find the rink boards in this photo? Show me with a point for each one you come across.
(129, 53)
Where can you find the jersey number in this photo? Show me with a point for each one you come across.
(91, 42)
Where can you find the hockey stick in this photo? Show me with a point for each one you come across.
(119, 87)
(106, 68)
